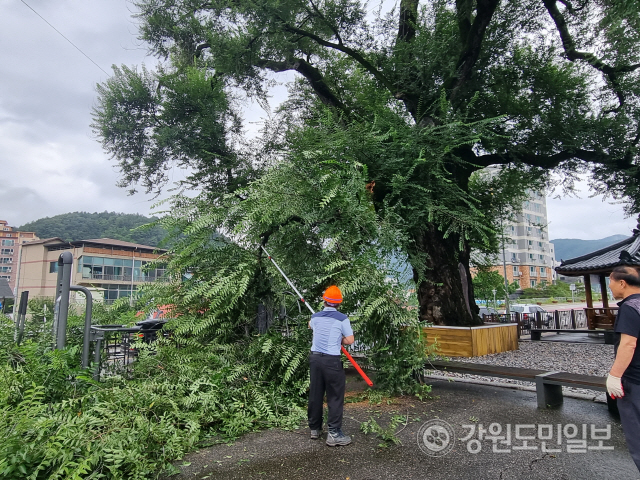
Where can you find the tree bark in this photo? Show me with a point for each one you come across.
(441, 295)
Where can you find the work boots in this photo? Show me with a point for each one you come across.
(336, 437)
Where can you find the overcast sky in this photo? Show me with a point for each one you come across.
(50, 162)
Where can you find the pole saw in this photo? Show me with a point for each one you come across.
(349, 357)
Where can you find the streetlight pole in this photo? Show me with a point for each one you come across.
(495, 305)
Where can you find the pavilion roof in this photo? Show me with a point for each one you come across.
(626, 252)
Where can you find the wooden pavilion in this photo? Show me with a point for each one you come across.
(601, 263)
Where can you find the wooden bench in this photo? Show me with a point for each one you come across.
(548, 384)
(609, 336)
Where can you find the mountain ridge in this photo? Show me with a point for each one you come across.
(567, 248)
(83, 225)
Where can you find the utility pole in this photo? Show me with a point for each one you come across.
(133, 269)
(504, 268)
(17, 287)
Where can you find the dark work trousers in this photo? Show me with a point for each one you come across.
(327, 375)
(629, 408)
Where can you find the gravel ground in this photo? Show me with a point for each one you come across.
(586, 359)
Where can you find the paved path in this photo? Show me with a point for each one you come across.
(293, 456)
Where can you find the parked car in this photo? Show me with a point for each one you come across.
(529, 313)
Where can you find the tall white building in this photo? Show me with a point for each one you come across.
(529, 255)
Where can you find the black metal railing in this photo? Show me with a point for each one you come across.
(115, 345)
(557, 320)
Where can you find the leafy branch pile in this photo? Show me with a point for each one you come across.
(56, 422)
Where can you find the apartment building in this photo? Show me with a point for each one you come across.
(10, 243)
(528, 254)
(111, 268)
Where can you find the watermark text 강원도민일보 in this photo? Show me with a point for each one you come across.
(437, 438)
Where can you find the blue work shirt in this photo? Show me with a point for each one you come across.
(329, 326)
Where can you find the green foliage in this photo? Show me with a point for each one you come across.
(548, 290)
(486, 281)
(85, 226)
(387, 434)
(321, 227)
(56, 422)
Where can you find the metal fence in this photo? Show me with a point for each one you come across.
(558, 320)
(115, 347)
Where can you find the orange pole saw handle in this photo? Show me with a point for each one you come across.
(357, 367)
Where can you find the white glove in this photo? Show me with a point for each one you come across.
(614, 387)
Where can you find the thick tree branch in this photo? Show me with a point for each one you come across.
(572, 54)
(542, 161)
(311, 73)
(200, 48)
(473, 45)
(408, 20)
(464, 9)
(357, 56)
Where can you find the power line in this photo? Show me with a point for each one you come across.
(59, 32)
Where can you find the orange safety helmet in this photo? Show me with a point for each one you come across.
(332, 295)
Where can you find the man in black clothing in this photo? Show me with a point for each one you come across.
(623, 381)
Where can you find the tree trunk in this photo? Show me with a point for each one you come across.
(446, 295)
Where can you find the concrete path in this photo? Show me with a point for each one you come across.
(292, 455)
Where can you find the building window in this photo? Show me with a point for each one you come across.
(531, 256)
(6, 260)
(530, 242)
(532, 270)
(53, 267)
(516, 272)
(5, 269)
(7, 243)
(543, 271)
(118, 269)
(6, 251)
(112, 292)
(8, 277)
(540, 244)
(533, 283)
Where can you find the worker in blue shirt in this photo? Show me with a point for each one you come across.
(331, 329)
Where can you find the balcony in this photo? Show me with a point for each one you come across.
(123, 278)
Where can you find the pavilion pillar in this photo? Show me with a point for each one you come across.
(587, 290)
(603, 290)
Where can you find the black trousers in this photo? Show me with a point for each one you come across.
(629, 408)
(327, 375)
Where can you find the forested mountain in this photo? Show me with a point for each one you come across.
(83, 226)
(566, 248)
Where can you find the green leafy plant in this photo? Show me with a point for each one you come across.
(388, 434)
